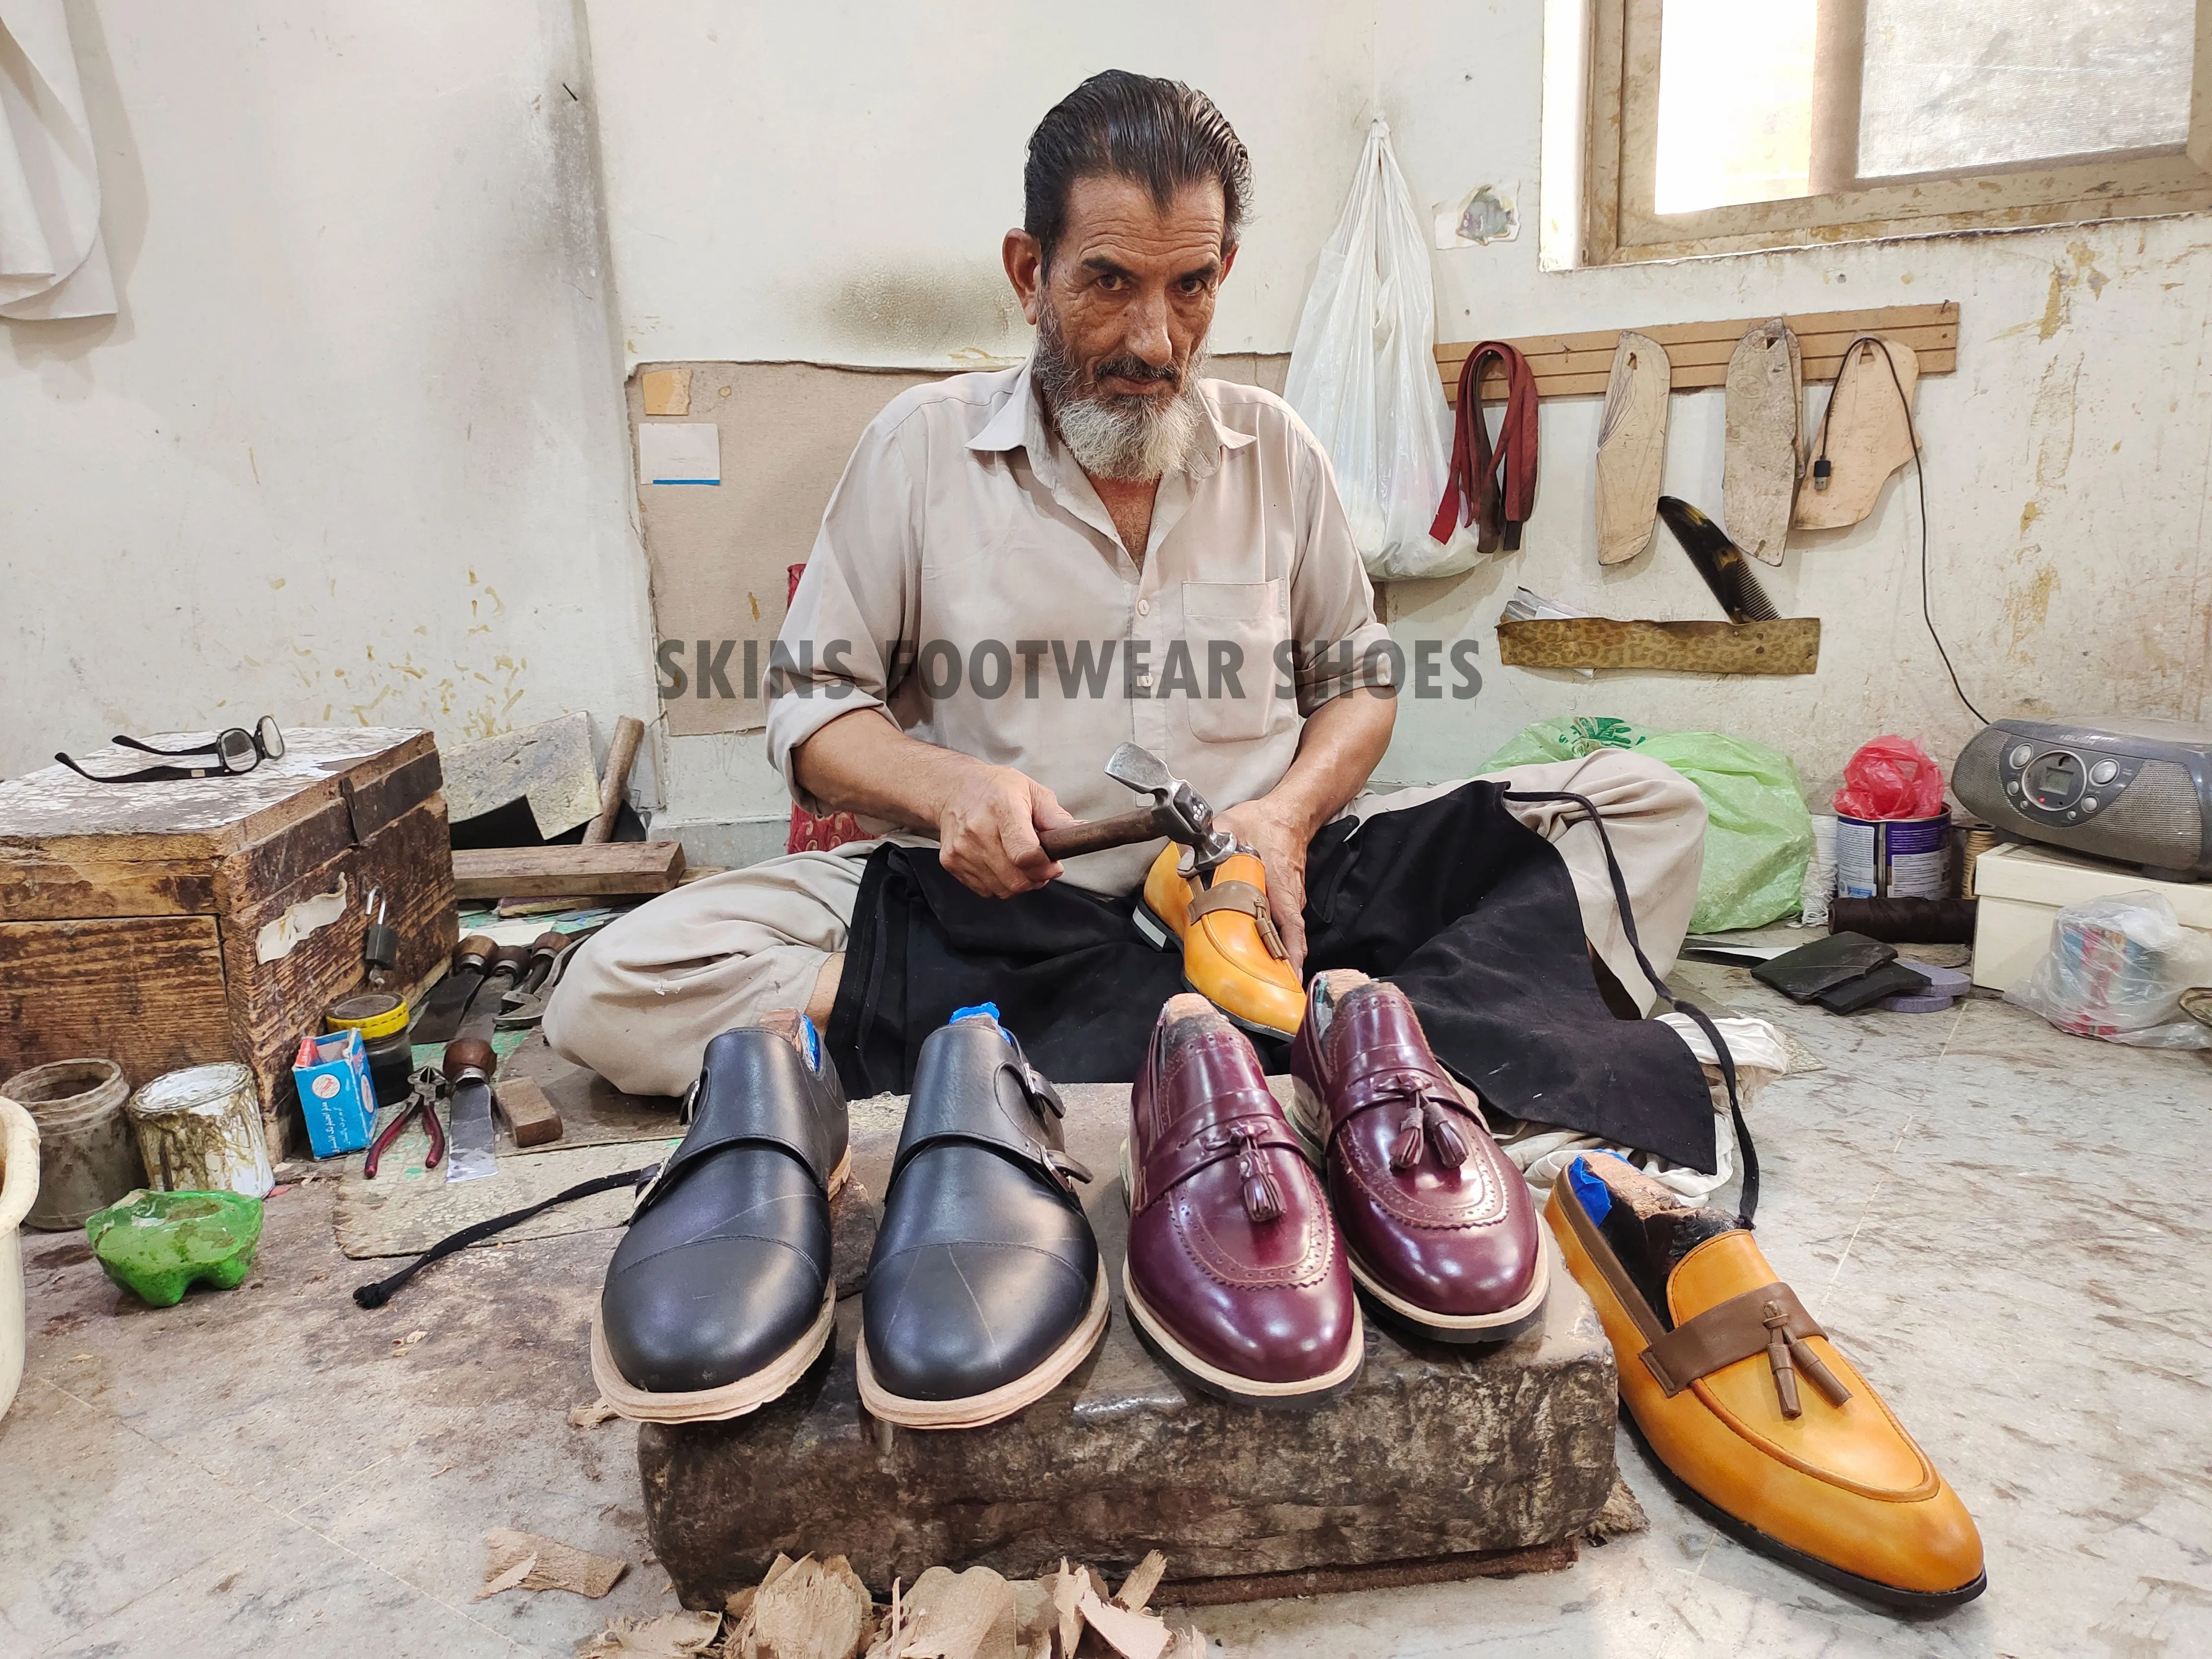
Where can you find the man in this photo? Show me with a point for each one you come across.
(1021, 570)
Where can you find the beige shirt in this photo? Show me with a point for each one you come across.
(968, 582)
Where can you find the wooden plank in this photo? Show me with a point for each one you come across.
(1791, 646)
(606, 868)
(40, 885)
(1579, 365)
(145, 992)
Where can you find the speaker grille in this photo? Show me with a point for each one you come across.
(2155, 820)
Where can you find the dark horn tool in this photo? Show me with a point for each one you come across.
(1720, 562)
(1178, 811)
(440, 1018)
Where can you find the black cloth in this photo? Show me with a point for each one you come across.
(1467, 909)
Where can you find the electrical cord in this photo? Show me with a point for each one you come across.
(1821, 470)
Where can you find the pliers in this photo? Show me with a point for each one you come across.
(424, 1089)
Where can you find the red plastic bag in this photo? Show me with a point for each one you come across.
(1891, 778)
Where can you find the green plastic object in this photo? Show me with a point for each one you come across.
(1758, 836)
(159, 1244)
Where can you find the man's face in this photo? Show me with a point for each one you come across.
(1121, 315)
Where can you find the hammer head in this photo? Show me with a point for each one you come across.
(1193, 816)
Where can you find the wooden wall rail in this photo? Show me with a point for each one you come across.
(1578, 365)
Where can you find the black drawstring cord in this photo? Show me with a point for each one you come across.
(376, 1295)
(1748, 1205)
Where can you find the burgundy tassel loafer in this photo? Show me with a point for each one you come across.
(1235, 1270)
(1437, 1221)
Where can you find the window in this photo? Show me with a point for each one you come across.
(1716, 126)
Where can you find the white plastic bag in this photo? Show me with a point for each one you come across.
(2116, 969)
(1363, 375)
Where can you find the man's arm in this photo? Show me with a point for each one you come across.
(986, 818)
(1338, 750)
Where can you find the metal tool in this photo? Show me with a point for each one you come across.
(524, 1007)
(440, 1019)
(469, 1063)
(424, 1090)
(380, 940)
(1178, 811)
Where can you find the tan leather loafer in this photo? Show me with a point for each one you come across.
(1742, 1398)
(1231, 954)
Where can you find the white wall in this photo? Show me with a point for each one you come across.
(354, 451)
(829, 183)
(354, 448)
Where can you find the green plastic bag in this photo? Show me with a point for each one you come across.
(1758, 836)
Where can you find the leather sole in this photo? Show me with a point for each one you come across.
(1244, 1390)
(1456, 1328)
(979, 1410)
(747, 1394)
(1867, 1589)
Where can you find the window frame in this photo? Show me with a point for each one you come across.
(1621, 226)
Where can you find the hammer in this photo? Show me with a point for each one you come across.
(1178, 811)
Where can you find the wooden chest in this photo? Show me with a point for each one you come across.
(160, 925)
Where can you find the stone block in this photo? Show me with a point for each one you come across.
(1434, 1452)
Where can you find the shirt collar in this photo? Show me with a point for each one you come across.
(1018, 423)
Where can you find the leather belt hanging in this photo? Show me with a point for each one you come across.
(1492, 490)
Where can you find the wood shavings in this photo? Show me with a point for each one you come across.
(805, 1609)
(1137, 1588)
(1621, 1516)
(591, 1416)
(1132, 1635)
(670, 1635)
(545, 1563)
(952, 1615)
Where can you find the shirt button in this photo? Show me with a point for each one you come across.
(1144, 607)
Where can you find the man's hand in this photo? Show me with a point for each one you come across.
(988, 830)
(1279, 835)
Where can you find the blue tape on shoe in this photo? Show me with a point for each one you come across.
(981, 1011)
(813, 1041)
(1596, 1198)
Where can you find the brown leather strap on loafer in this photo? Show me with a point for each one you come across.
(1769, 1320)
(1245, 899)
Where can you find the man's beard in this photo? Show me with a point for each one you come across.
(1126, 436)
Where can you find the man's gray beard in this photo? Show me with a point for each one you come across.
(1134, 439)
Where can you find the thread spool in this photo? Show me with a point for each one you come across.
(1905, 920)
(1979, 840)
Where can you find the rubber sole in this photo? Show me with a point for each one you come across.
(1925, 1603)
(1226, 1385)
(746, 1394)
(735, 1399)
(1459, 1329)
(976, 1411)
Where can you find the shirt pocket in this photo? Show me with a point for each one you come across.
(1232, 629)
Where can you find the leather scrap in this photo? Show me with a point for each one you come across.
(523, 1560)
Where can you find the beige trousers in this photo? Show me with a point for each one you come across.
(640, 999)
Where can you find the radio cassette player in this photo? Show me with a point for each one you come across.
(2135, 791)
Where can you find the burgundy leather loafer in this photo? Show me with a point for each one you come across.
(1437, 1221)
(1235, 1270)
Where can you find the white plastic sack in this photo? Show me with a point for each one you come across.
(1363, 375)
(2116, 969)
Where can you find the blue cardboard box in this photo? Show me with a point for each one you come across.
(336, 1096)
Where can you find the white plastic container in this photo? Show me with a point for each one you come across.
(19, 1190)
(199, 1131)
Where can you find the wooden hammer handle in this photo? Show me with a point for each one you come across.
(1122, 829)
(622, 754)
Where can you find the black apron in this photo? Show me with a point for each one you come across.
(1468, 911)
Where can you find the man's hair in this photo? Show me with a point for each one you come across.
(1159, 133)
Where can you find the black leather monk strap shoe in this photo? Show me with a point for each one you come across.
(985, 1289)
(720, 1296)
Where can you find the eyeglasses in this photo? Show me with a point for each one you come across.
(234, 751)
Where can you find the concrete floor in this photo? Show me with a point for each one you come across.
(1997, 1222)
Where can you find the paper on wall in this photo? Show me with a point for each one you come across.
(53, 261)
(680, 453)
